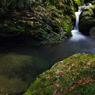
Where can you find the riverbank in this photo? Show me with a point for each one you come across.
(40, 25)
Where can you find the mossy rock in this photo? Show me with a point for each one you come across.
(43, 24)
(74, 75)
(87, 19)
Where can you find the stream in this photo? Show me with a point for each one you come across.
(20, 65)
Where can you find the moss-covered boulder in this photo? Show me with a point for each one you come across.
(72, 76)
(87, 19)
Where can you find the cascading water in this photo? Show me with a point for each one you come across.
(76, 35)
(77, 14)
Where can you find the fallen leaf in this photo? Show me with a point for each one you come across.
(69, 70)
(55, 92)
(60, 73)
(58, 93)
(88, 63)
(57, 85)
(48, 77)
(68, 63)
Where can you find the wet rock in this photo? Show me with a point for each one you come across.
(92, 32)
(40, 24)
(87, 19)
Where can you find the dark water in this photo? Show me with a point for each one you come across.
(20, 65)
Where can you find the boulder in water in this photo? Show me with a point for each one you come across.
(92, 31)
(87, 19)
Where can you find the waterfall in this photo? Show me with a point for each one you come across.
(77, 14)
(76, 34)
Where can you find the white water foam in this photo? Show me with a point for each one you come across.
(76, 34)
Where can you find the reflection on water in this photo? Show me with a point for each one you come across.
(18, 67)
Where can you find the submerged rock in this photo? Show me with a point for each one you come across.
(74, 75)
(87, 19)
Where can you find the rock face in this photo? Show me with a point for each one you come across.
(92, 32)
(40, 25)
(87, 19)
(72, 76)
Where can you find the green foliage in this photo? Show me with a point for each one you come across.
(79, 2)
(56, 37)
(89, 89)
(2, 12)
(66, 27)
(5, 25)
(47, 3)
(66, 24)
(49, 17)
(42, 34)
(82, 2)
(53, 2)
(17, 3)
(93, 2)
(29, 3)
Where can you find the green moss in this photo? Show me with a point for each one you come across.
(66, 23)
(87, 20)
(55, 25)
(41, 24)
(30, 23)
(5, 25)
(65, 75)
(88, 11)
(88, 89)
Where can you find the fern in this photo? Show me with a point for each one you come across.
(67, 28)
(78, 2)
(93, 2)
(47, 3)
(2, 12)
